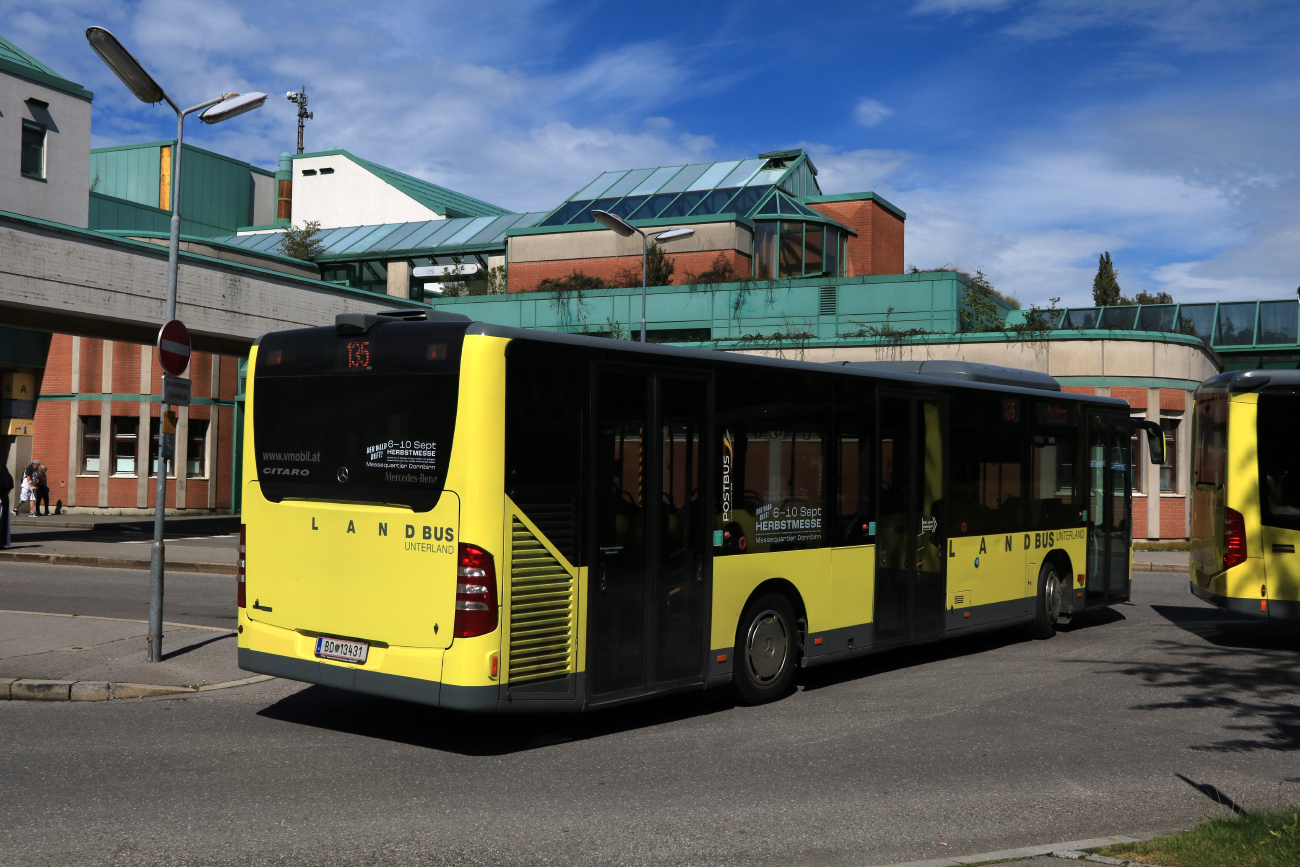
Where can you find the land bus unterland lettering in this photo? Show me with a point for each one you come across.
(1246, 493)
(495, 519)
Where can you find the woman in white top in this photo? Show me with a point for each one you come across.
(27, 495)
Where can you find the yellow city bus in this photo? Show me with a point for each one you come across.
(496, 519)
(1246, 494)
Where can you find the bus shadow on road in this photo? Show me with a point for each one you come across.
(481, 734)
(924, 654)
(1226, 629)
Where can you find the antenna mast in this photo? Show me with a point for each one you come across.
(300, 99)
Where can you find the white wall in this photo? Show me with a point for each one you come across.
(350, 196)
(63, 196)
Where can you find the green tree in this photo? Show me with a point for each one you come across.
(1105, 286)
(302, 243)
(979, 310)
(1145, 297)
(658, 270)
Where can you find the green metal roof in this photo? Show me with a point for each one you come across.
(673, 192)
(394, 240)
(438, 199)
(18, 62)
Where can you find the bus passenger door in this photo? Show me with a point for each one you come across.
(1108, 509)
(911, 563)
(650, 576)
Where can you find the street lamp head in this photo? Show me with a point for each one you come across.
(124, 66)
(233, 105)
(614, 222)
(674, 234)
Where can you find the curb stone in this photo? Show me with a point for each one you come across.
(114, 562)
(27, 689)
(1075, 855)
(1027, 852)
(1139, 566)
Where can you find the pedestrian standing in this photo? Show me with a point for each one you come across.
(42, 491)
(6, 487)
(28, 490)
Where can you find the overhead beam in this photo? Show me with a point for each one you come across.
(75, 281)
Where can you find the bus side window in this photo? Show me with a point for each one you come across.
(546, 417)
(855, 433)
(1051, 481)
(773, 432)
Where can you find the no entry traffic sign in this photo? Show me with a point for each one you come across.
(174, 347)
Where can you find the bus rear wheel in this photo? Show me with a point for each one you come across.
(767, 650)
(1047, 606)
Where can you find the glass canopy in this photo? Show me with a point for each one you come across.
(699, 189)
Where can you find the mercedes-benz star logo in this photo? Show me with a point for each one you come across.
(343, 474)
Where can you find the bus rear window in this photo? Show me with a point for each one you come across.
(1211, 440)
(366, 421)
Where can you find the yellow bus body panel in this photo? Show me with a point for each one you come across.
(328, 568)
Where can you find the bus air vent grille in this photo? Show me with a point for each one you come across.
(541, 611)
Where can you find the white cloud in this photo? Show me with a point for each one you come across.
(854, 171)
(870, 112)
(951, 7)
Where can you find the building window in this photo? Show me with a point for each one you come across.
(33, 157)
(1139, 465)
(1169, 469)
(797, 250)
(90, 444)
(366, 276)
(196, 452)
(125, 435)
(764, 247)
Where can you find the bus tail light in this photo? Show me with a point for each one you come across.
(1234, 538)
(476, 592)
(240, 595)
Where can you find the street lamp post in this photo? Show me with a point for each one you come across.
(622, 227)
(224, 107)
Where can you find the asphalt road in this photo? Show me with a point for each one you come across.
(189, 597)
(1146, 717)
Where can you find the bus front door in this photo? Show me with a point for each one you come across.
(650, 575)
(910, 563)
(1109, 504)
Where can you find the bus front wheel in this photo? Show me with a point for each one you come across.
(1047, 606)
(767, 649)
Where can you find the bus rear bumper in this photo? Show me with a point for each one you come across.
(1235, 604)
(353, 679)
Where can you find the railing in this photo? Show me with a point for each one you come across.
(1226, 325)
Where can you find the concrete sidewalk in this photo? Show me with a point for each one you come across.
(68, 657)
(1161, 561)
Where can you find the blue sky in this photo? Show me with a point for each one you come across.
(1022, 137)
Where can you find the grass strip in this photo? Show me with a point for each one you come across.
(1248, 840)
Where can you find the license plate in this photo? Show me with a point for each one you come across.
(342, 649)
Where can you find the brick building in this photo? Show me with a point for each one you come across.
(97, 427)
(763, 218)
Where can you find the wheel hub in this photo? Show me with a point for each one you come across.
(1052, 597)
(768, 646)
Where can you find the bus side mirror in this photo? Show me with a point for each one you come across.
(1155, 440)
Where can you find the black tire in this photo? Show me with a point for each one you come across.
(767, 650)
(1047, 602)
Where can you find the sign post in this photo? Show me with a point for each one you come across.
(174, 354)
